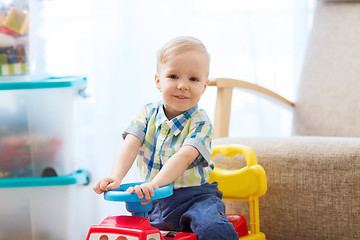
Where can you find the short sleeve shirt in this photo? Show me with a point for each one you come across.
(161, 138)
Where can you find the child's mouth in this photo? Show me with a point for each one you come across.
(180, 97)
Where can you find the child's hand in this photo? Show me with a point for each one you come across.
(106, 184)
(145, 189)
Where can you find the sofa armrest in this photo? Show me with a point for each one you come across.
(313, 186)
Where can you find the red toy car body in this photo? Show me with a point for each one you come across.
(132, 228)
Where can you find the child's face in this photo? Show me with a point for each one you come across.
(181, 81)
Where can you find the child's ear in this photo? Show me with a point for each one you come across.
(206, 84)
(157, 82)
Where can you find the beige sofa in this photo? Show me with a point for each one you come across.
(314, 175)
(313, 187)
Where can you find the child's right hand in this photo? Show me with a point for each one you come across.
(143, 190)
(107, 183)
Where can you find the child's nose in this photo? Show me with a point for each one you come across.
(183, 85)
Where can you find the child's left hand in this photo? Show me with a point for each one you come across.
(145, 189)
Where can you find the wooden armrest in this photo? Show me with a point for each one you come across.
(225, 87)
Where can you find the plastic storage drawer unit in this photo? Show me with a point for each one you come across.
(36, 127)
(40, 188)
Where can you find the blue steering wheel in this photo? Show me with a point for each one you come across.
(133, 203)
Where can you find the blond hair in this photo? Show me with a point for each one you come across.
(178, 46)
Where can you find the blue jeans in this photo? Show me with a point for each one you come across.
(194, 209)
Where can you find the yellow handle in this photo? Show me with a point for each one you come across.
(233, 150)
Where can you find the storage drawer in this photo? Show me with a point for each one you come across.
(37, 126)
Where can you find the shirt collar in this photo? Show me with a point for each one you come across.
(176, 124)
(161, 117)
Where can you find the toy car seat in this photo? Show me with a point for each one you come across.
(246, 184)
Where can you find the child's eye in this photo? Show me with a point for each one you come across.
(173, 76)
(195, 79)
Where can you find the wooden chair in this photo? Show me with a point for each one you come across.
(225, 88)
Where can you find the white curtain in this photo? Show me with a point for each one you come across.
(114, 44)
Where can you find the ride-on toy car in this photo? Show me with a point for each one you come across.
(247, 183)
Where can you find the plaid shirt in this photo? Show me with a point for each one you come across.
(162, 138)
